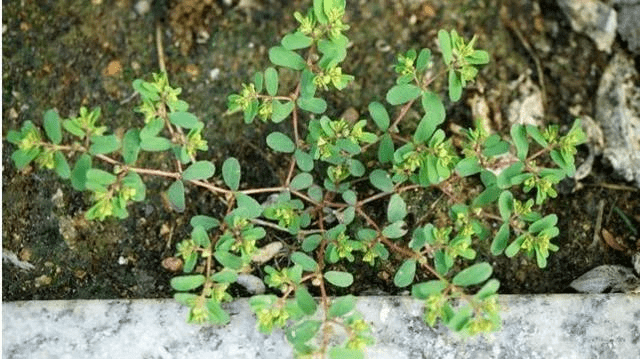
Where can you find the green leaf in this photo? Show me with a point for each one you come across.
(475, 274)
(231, 173)
(445, 46)
(52, 126)
(303, 332)
(494, 146)
(380, 179)
(423, 60)
(296, 41)
(271, 81)
(280, 142)
(146, 90)
(501, 239)
(305, 301)
(280, 56)
(258, 81)
(400, 94)
(535, 133)
(479, 57)
(315, 192)
(131, 146)
(504, 178)
(228, 260)
(341, 306)
(217, 315)
(544, 223)
(356, 168)
(200, 237)
(307, 263)
(301, 181)
(307, 86)
(97, 178)
(339, 279)
(345, 353)
(379, 115)
(248, 207)
(312, 104)
(199, 170)
(101, 145)
(405, 274)
(423, 290)
(79, 172)
(187, 282)
(514, 247)
(312, 242)
(434, 116)
(281, 111)
(303, 160)
(458, 320)
(154, 144)
(519, 136)
(468, 166)
(205, 222)
(152, 129)
(488, 196)
(394, 230)
(455, 86)
(488, 289)
(385, 149)
(397, 209)
(61, 165)
(251, 111)
(175, 194)
(505, 205)
(318, 11)
(183, 119)
(73, 128)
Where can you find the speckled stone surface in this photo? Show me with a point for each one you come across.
(541, 326)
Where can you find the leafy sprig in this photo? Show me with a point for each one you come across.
(324, 202)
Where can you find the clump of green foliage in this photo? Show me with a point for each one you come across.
(318, 205)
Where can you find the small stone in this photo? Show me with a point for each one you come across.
(628, 15)
(80, 274)
(68, 230)
(122, 260)
(267, 252)
(599, 279)
(618, 113)
(251, 283)
(192, 70)
(13, 114)
(350, 115)
(528, 109)
(25, 254)
(635, 259)
(594, 19)
(172, 264)
(113, 68)
(58, 198)
(142, 7)
(214, 74)
(43, 280)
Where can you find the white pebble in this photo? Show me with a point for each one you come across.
(214, 74)
(251, 283)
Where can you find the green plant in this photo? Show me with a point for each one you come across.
(323, 203)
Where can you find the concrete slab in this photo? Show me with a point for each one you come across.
(541, 326)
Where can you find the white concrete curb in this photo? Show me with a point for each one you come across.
(537, 326)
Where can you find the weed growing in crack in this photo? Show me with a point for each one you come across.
(321, 203)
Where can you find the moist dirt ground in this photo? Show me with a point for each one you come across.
(73, 53)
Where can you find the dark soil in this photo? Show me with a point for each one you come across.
(67, 54)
